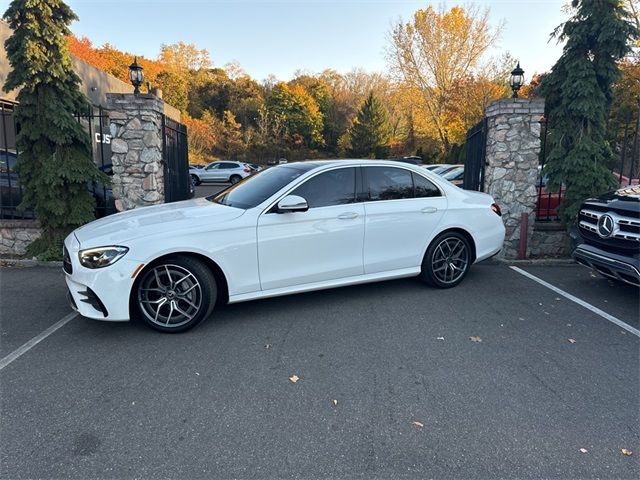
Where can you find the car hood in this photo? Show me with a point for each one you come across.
(155, 220)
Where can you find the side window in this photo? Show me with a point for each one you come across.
(213, 166)
(424, 187)
(336, 187)
(228, 165)
(389, 183)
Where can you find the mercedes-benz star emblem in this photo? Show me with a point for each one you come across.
(605, 226)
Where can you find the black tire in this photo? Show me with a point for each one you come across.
(447, 260)
(235, 179)
(184, 287)
(196, 180)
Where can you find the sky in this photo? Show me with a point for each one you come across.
(280, 37)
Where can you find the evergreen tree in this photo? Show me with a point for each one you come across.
(55, 161)
(578, 96)
(371, 133)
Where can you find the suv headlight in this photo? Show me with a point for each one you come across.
(101, 256)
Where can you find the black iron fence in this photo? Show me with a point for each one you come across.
(474, 163)
(176, 160)
(625, 170)
(94, 119)
(10, 188)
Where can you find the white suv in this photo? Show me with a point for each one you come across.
(220, 171)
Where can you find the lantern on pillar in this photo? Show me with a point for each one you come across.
(136, 75)
(516, 80)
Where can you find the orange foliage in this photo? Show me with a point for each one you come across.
(111, 60)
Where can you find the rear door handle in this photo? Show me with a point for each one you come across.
(348, 216)
(429, 210)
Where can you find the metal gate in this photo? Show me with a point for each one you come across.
(176, 160)
(474, 162)
(94, 120)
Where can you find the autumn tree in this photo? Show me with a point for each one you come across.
(299, 112)
(578, 94)
(55, 161)
(434, 53)
(201, 138)
(370, 133)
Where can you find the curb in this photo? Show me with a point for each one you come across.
(558, 262)
(26, 263)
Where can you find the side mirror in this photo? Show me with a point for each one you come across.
(292, 203)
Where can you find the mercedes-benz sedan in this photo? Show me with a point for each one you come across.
(292, 228)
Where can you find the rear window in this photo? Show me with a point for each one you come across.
(254, 190)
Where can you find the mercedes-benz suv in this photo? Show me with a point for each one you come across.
(608, 235)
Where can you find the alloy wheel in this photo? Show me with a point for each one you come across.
(170, 296)
(450, 260)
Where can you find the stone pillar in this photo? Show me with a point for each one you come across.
(513, 145)
(136, 149)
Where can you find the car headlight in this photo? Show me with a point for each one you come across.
(101, 256)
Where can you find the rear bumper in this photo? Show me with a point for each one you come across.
(619, 267)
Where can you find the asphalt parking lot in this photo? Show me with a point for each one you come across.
(499, 377)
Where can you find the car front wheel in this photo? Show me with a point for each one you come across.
(447, 260)
(175, 294)
(196, 180)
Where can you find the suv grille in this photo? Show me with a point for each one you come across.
(66, 261)
(625, 230)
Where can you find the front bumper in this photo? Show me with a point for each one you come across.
(618, 267)
(102, 293)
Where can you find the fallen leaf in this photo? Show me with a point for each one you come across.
(440, 338)
(335, 402)
(568, 324)
(584, 450)
(475, 339)
(268, 345)
(558, 298)
(520, 318)
(197, 374)
(623, 332)
(626, 452)
(294, 378)
(571, 340)
(418, 424)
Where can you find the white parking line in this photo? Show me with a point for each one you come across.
(17, 353)
(582, 303)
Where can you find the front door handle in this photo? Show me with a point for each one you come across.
(429, 210)
(348, 216)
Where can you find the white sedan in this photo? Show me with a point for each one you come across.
(292, 228)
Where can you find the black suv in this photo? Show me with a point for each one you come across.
(608, 235)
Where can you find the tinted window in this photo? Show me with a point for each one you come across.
(256, 189)
(212, 166)
(229, 165)
(424, 187)
(388, 183)
(336, 187)
(7, 161)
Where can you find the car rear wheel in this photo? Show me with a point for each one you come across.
(235, 179)
(196, 180)
(447, 260)
(175, 294)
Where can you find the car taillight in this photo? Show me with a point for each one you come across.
(496, 209)
(247, 170)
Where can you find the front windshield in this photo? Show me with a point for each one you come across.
(254, 190)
